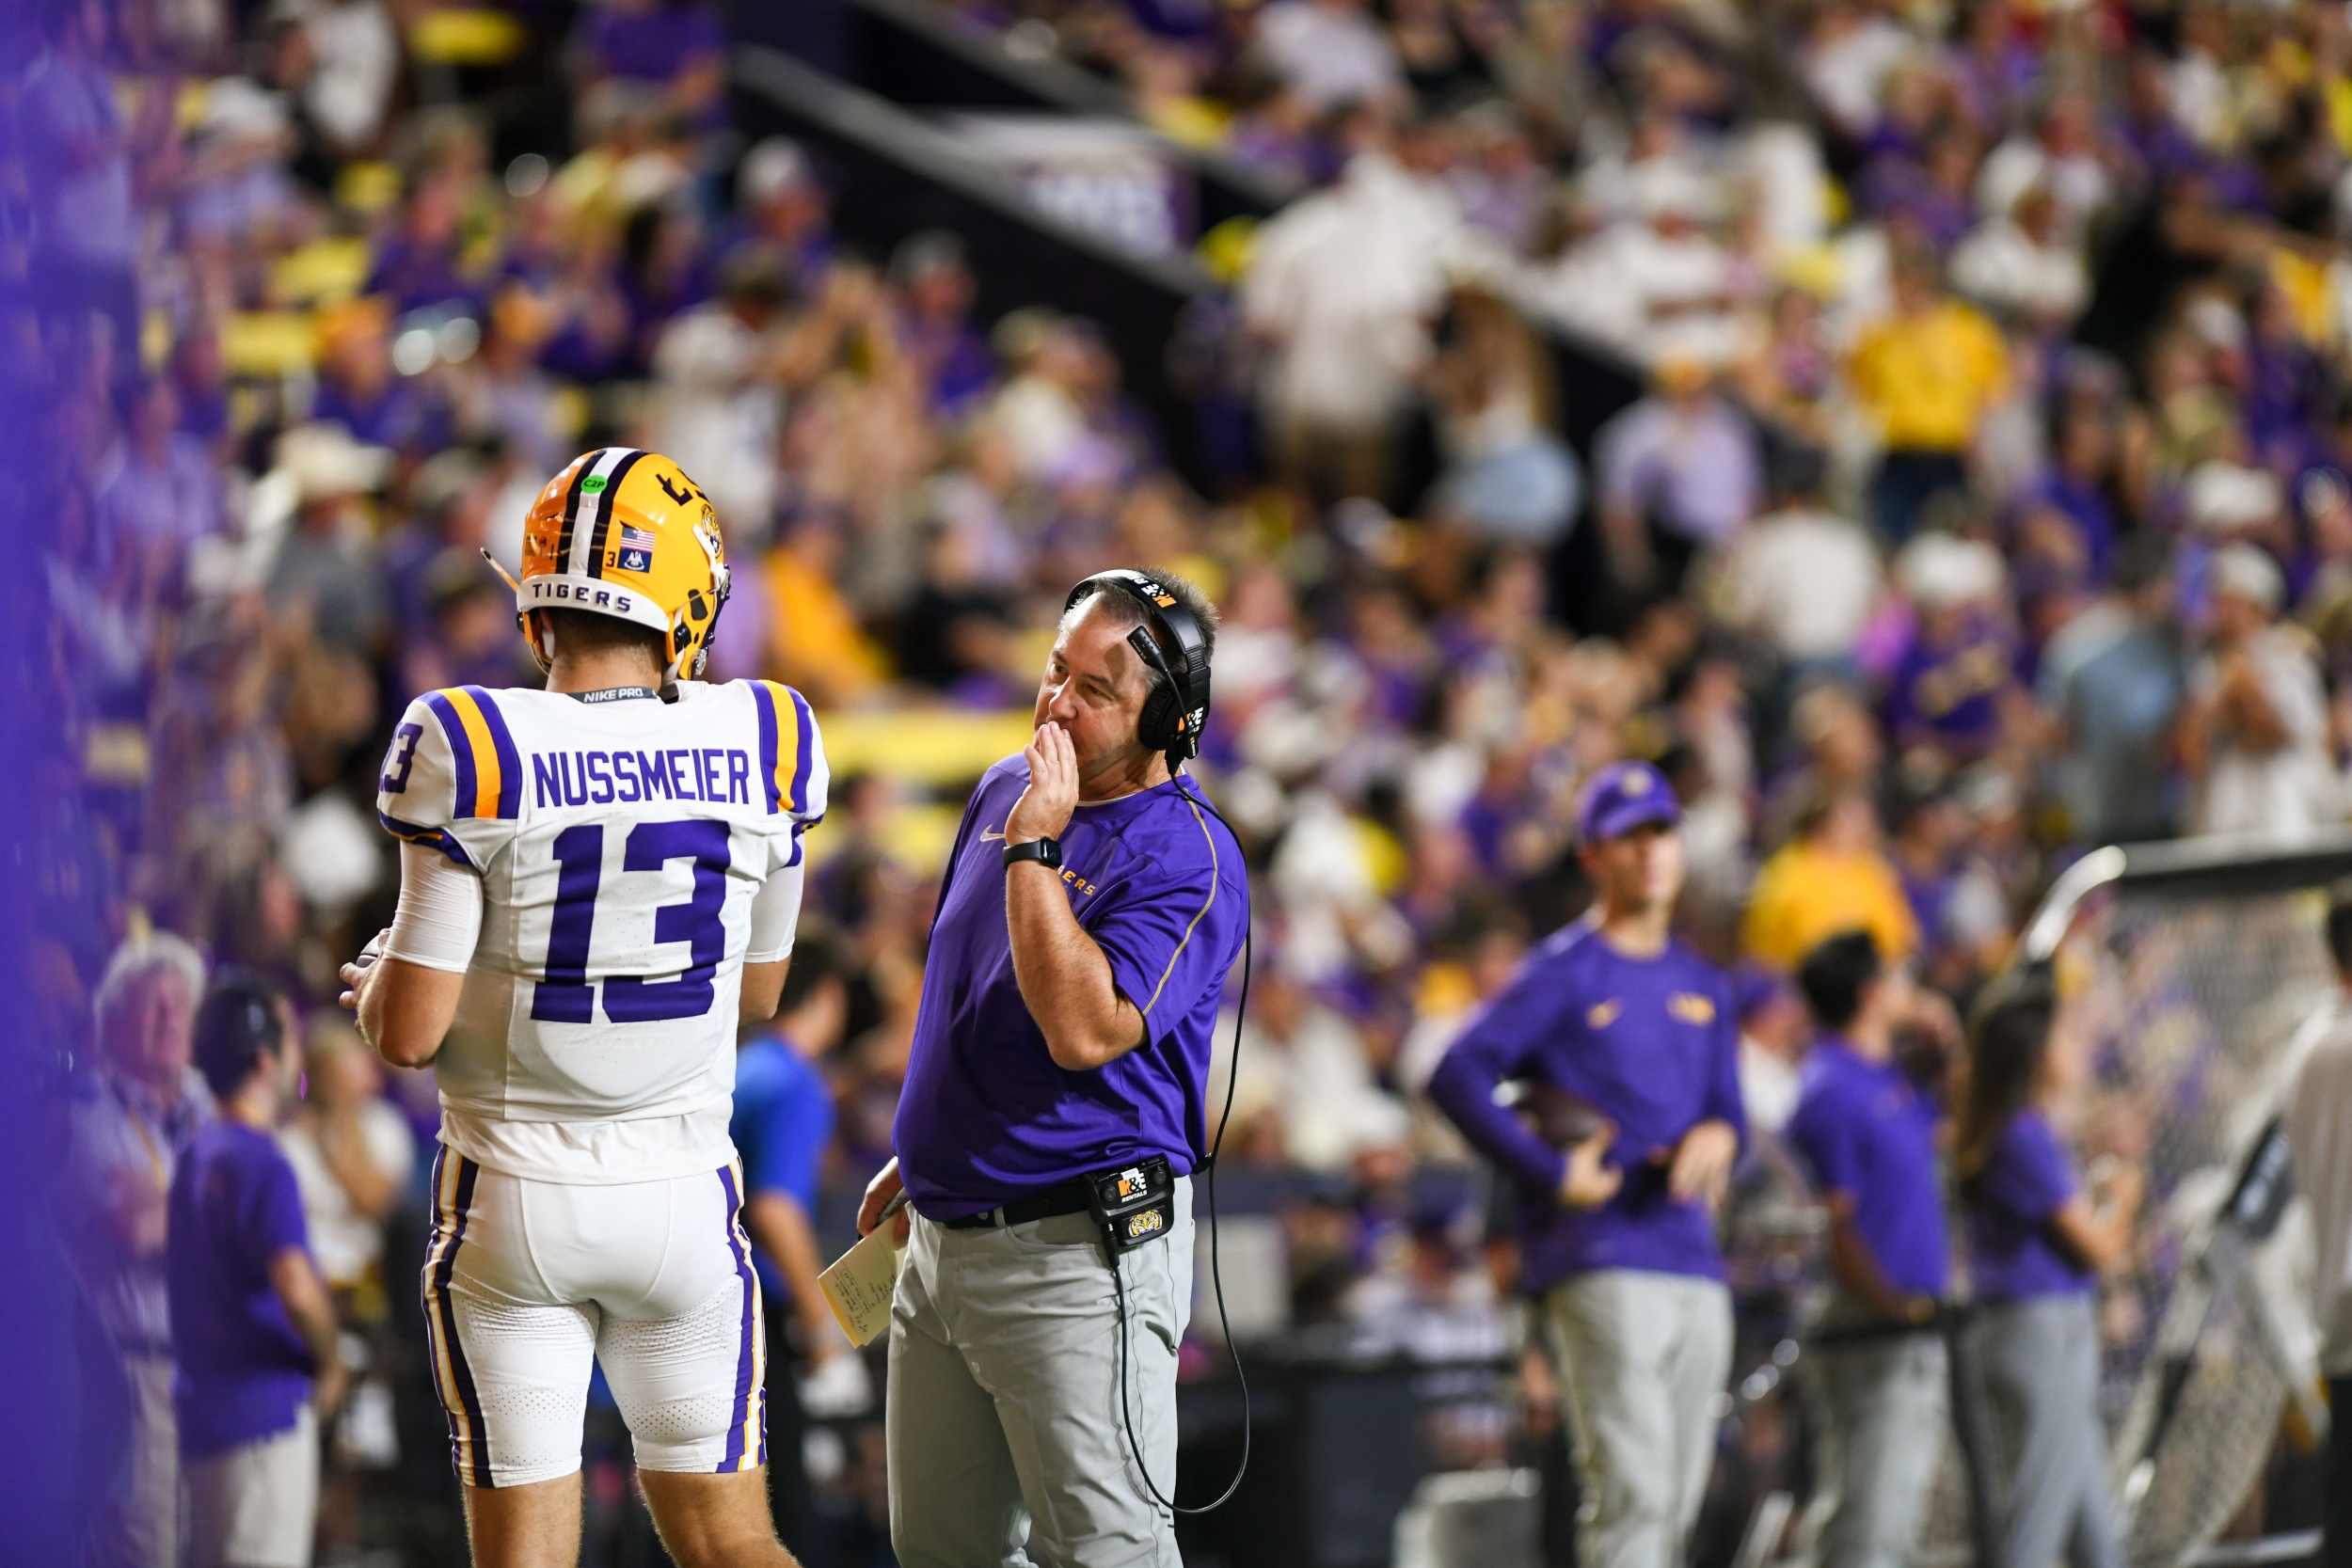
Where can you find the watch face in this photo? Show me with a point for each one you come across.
(1045, 851)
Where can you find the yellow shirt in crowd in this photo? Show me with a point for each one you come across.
(1805, 894)
(815, 642)
(1927, 380)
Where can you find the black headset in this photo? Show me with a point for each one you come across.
(1177, 708)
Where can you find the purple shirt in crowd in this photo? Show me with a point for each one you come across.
(1869, 1133)
(243, 1373)
(1653, 1044)
(1951, 694)
(654, 43)
(986, 1117)
(657, 43)
(2026, 1180)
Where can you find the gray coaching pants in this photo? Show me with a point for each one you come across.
(1642, 1361)
(1004, 1404)
(1885, 1402)
(2041, 1359)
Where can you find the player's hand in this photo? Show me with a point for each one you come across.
(1589, 1182)
(355, 974)
(886, 1185)
(1043, 809)
(1702, 1162)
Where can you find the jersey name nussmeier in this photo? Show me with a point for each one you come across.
(722, 774)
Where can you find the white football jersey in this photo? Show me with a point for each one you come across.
(620, 844)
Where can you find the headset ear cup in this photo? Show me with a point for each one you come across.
(1155, 724)
(1151, 728)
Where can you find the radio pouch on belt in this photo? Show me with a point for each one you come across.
(1132, 1204)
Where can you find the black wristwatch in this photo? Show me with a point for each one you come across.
(1045, 851)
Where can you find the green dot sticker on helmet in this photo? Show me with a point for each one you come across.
(593, 483)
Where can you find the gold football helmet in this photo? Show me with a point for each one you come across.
(625, 532)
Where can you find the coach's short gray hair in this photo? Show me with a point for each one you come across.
(1126, 609)
(142, 956)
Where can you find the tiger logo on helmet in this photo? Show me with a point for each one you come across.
(625, 533)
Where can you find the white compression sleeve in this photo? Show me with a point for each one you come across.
(775, 916)
(439, 916)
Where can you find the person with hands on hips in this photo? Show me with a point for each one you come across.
(1088, 917)
(1617, 1228)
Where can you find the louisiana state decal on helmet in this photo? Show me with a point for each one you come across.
(625, 532)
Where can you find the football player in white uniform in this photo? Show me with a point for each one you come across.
(600, 883)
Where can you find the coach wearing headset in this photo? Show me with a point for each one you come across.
(1089, 912)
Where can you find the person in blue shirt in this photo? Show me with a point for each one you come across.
(1632, 1038)
(2037, 1245)
(1868, 1134)
(782, 1125)
(253, 1329)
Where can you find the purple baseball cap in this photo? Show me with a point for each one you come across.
(1622, 797)
(1755, 987)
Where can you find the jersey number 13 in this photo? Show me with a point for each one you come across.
(568, 995)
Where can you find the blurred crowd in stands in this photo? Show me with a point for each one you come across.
(1988, 497)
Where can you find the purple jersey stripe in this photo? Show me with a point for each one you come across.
(509, 760)
(763, 695)
(469, 1445)
(807, 722)
(437, 838)
(460, 749)
(747, 1434)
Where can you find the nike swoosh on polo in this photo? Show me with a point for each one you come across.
(990, 835)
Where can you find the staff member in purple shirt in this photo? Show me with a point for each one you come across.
(251, 1324)
(1618, 1237)
(1868, 1133)
(2038, 1246)
(1089, 912)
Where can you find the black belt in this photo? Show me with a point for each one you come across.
(1949, 1316)
(1067, 1198)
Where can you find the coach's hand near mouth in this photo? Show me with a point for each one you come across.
(1063, 975)
(1044, 807)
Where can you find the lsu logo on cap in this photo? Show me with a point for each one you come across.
(1144, 1223)
(1691, 1007)
(1635, 782)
